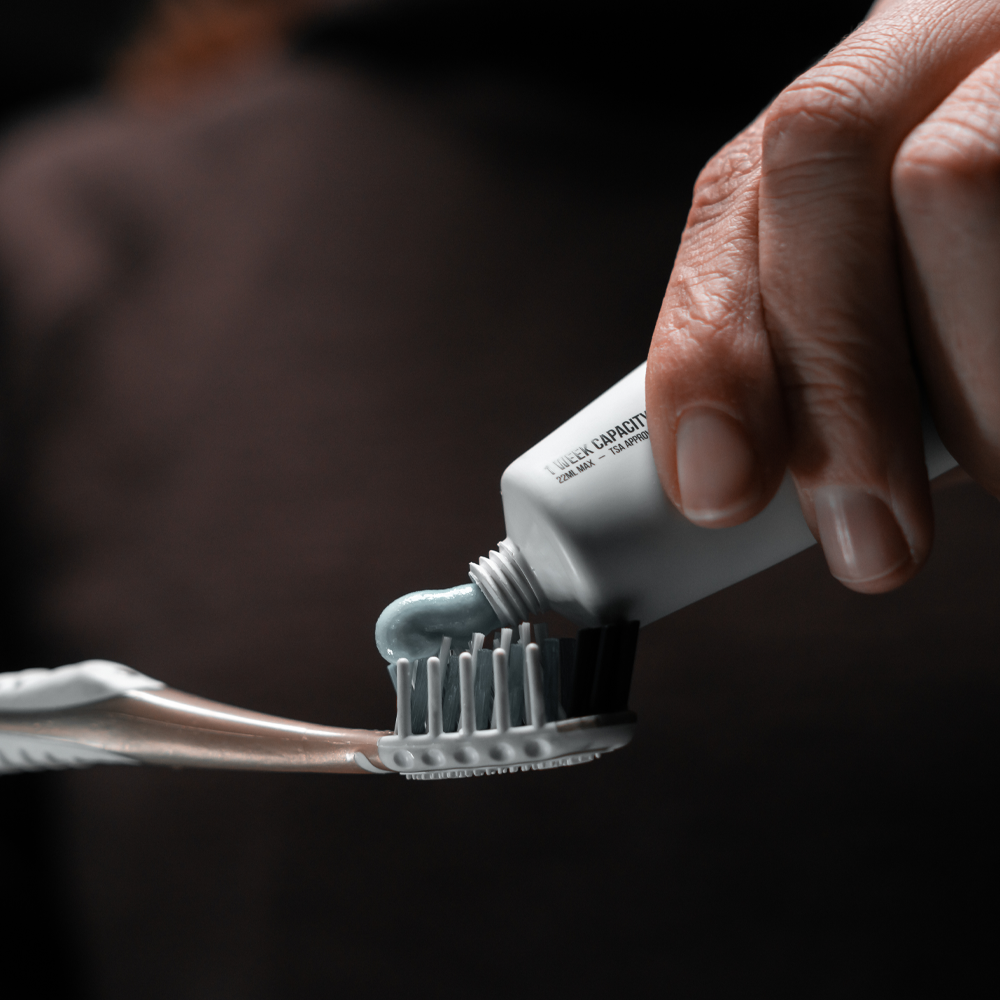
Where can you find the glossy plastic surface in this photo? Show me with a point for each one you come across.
(174, 729)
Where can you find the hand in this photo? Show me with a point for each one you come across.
(853, 227)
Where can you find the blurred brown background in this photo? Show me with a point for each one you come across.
(277, 315)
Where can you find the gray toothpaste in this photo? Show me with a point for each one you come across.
(591, 534)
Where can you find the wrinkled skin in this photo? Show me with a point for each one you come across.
(853, 227)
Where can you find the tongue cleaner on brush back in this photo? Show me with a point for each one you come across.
(531, 705)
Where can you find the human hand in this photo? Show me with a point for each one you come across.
(853, 227)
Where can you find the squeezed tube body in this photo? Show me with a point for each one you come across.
(600, 541)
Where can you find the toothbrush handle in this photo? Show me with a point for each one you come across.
(173, 729)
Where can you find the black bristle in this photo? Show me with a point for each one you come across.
(551, 685)
(588, 645)
(613, 674)
(567, 672)
(604, 693)
(623, 670)
(451, 697)
(551, 660)
(602, 688)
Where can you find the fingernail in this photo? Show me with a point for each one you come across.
(860, 536)
(716, 467)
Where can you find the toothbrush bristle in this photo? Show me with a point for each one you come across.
(524, 633)
(588, 644)
(533, 685)
(433, 696)
(478, 638)
(403, 725)
(484, 689)
(588, 675)
(451, 701)
(465, 679)
(500, 710)
(445, 649)
(501, 693)
(613, 672)
(418, 697)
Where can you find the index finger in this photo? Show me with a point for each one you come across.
(830, 286)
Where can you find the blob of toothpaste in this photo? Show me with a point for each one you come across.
(413, 625)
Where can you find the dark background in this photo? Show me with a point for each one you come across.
(807, 809)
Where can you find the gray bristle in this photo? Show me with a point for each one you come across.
(418, 700)
(603, 684)
(552, 670)
(484, 689)
(451, 696)
(515, 685)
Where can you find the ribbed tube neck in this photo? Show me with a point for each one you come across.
(508, 584)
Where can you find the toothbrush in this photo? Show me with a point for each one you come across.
(98, 712)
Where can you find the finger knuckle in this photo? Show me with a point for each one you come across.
(841, 378)
(704, 302)
(828, 110)
(949, 153)
(829, 104)
(726, 178)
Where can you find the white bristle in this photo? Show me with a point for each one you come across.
(524, 633)
(403, 726)
(434, 697)
(445, 651)
(510, 742)
(501, 695)
(533, 685)
(478, 638)
(466, 694)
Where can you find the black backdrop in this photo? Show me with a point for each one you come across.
(807, 809)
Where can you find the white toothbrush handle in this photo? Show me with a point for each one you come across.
(104, 713)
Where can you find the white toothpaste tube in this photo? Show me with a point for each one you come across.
(591, 534)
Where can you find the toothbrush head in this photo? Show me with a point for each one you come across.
(528, 706)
